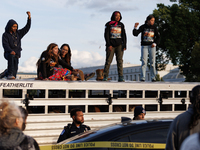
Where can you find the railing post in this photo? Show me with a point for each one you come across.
(46, 109)
(46, 93)
(173, 107)
(127, 108)
(127, 96)
(66, 109)
(67, 93)
(86, 108)
(24, 92)
(143, 93)
(1, 93)
(86, 93)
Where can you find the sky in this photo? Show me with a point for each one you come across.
(79, 23)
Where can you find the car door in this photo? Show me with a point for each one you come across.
(149, 135)
(153, 135)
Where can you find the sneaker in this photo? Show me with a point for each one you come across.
(142, 80)
(4, 78)
(121, 79)
(105, 78)
(3, 74)
(10, 77)
(89, 76)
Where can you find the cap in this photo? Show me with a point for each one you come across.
(138, 110)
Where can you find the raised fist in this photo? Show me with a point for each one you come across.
(29, 14)
(136, 24)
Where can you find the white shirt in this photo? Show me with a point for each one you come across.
(191, 143)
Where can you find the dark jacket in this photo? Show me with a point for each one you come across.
(149, 34)
(115, 35)
(179, 130)
(17, 140)
(47, 70)
(71, 130)
(64, 59)
(12, 42)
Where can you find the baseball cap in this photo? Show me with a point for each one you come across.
(138, 110)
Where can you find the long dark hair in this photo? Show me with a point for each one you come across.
(195, 100)
(149, 17)
(114, 14)
(49, 55)
(68, 55)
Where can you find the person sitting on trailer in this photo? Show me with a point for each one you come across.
(65, 55)
(51, 67)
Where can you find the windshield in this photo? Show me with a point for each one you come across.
(92, 133)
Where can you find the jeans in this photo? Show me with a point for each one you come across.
(145, 50)
(12, 64)
(118, 51)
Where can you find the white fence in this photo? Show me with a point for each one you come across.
(53, 100)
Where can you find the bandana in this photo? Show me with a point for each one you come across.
(114, 22)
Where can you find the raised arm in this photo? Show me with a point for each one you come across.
(135, 31)
(24, 30)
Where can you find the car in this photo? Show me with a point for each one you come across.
(140, 131)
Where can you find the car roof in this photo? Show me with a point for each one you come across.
(108, 132)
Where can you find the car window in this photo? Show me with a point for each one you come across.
(151, 136)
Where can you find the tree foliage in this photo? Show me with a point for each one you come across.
(179, 26)
(195, 60)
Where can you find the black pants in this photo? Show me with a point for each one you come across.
(118, 51)
(12, 64)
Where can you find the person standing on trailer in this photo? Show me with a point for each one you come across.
(150, 37)
(11, 41)
(115, 37)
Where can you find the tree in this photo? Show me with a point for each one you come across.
(179, 27)
(192, 4)
(195, 60)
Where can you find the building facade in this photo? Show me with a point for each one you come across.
(132, 72)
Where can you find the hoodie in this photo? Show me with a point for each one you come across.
(12, 42)
(149, 34)
(115, 34)
(16, 140)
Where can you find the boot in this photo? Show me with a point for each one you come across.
(89, 76)
(3, 74)
(99, 73)
(81, 75)
(121, 79)
(105, 78)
